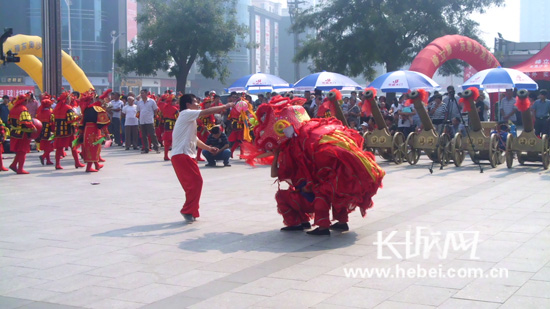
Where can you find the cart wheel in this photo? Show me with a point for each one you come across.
(494, 151)
(444, 149)
(398, 148)
(545, 155)
(412, 154)
(457, 152)
(509, 153)
(365, 143)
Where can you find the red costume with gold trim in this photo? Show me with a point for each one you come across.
(64, 127)
(21, 125)
(94, 120)
(2, 140)
(322, 161)
(45, 115)
(204, 124)
(170, 114)
(165, 99)
(240, 124)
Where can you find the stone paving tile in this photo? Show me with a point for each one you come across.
(359, 297)
(149, 293)
(398, 305)
(454, 303)
(84, 296)
(423, 295)
(535, 289)
(114, 304)
(230, 300)
(525, 302)
(12, 302)
(298, 299)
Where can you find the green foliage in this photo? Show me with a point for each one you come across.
(352, 36)
(177, 33)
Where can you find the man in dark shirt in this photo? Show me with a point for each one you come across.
(217, 139)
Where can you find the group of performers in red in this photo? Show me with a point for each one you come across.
(321, 159)
(56, 129)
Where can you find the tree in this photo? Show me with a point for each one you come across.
(177, 33)
(355, 35)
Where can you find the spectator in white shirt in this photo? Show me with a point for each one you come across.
(146, 108)
(116, 107)
(508, 107)
(131, 125)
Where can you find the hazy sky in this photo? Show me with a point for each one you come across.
(504, 19)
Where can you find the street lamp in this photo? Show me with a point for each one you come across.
(114, 37)
(68, 3)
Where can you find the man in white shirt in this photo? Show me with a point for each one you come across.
(146, 107)
(131, 125)
(116, 108)
(184, 151)
(508, 107)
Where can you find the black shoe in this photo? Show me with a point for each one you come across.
(210, 165)
(227, 165)
(188, 217)
(144, 151)
(135, 148)
(339, 227)
(127, 149)
(41, 160)
(293, 228)
(306, 225)
(319, 232)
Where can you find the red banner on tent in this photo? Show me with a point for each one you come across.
(13, 91)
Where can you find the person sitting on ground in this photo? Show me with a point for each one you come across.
(457, 127)
(217, 139)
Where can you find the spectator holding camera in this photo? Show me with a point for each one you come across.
(218, 140)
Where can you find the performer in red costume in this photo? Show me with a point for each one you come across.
(21, 126)
(204, 124)
(170, 114)
(45, 115)
(65, 122)
(240, 123)
(164, 100)
(2, 140)
(323, 163)
(93, 130)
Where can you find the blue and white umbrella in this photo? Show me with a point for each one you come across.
(403, 81)
(259, 82)
(500, 79)
(326, 81)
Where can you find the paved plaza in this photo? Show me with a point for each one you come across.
(115, 239)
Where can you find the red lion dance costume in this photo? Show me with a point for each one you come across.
(21, 126)
(94, 120)
(65, 122)
(323, 163)
(45, 115)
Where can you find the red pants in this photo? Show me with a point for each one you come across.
(190, 178)
(294, 208)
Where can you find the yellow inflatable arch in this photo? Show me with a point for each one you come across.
(29, 48)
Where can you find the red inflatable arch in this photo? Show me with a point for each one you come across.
(453, 47)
